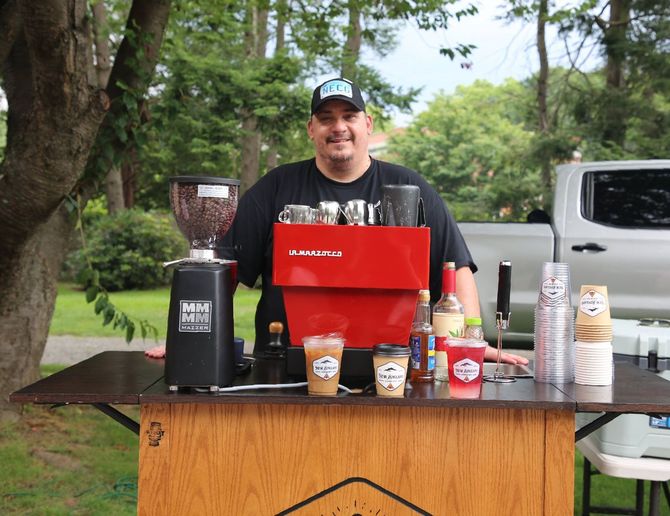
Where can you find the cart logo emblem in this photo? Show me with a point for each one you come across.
(195, 316)
(355, 496)
(155, 433)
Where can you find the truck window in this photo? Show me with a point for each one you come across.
(630, 198)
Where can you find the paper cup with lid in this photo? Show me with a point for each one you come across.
(390, 364)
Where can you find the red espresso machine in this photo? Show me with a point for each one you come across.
(361, 281)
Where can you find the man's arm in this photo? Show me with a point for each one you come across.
(466, 291)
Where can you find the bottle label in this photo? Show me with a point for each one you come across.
(448, 325)
(415, 348)
(431, 352)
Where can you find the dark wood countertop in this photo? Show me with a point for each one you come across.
(128, 377)
(117, 377)
(634, 390)
(524, 393)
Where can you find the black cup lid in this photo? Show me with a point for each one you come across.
(205, 180)
(391, 350)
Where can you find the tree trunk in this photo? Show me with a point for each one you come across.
(352, 47)
(54, 115)
(103, 67)
(272, 156)
(114, 191)
(28, 296)
(542, 92)
(256, 43)
(45, 78)
(615, 108)
(103, 64)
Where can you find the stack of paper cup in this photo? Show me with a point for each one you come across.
(554, 326)
(593, 331)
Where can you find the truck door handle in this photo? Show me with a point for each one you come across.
(589, 247)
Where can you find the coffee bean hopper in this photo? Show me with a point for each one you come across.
(199, 349)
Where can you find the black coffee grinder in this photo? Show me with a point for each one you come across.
(199, 349)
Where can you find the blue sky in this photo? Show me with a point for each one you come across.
(503, 50)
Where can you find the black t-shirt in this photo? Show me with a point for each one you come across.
(302, 183)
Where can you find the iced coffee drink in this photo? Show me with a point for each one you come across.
(323, 360)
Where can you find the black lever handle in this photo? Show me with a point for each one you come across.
(589, 246)
(504, 288)
(652, 358)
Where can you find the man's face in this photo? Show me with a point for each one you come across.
(340, 135)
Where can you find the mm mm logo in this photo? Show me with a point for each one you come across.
(195, 316)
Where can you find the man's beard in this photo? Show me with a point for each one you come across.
(340, 159)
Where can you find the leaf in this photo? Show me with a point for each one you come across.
(130, 331)
(86, 275)
(92, 293)
(108, 315)
(101, 304)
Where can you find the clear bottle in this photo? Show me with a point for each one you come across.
(448, 320)
(422, 342)
(473, 328)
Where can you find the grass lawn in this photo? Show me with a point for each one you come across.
(74, 316)
(69, 460)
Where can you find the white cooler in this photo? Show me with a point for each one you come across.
(636, 435)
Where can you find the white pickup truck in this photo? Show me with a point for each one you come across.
(610, 221)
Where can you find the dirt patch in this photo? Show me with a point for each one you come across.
(57, 460)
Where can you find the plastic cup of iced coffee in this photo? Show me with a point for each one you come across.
(323, 360)
(390, 364)
(466, 359)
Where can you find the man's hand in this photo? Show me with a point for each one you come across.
(491, 354)
(157, 352)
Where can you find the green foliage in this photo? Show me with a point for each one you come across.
(126, 251)
(124, 126)
(207, 84)
(474, 147)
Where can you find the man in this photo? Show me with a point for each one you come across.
(341, 170)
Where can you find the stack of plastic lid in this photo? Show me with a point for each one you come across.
(554, 326)
(593, 330)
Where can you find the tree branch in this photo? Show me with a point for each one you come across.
(132, 71)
